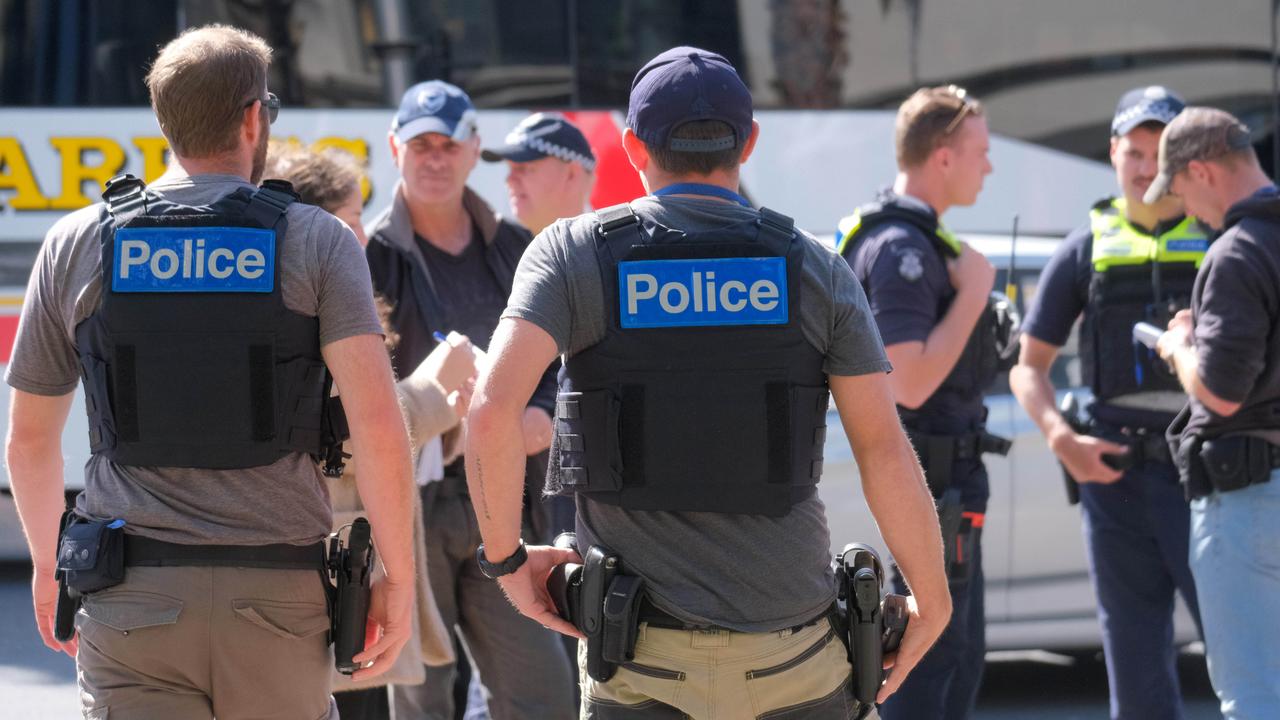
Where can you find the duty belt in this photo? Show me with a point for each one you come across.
(146, 552)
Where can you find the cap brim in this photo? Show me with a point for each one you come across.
(514, 153)
(1159, 188)
(1131, 123)
(431, 124)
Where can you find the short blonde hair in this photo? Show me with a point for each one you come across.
(928, 120)
(200, 84)
(324, 178)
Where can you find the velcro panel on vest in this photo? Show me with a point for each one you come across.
(588, 467)
(809, 432)
(688, 468)
(102, 431)
(304, 400)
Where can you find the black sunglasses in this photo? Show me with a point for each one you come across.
(272, 104)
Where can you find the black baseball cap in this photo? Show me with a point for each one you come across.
(685, 84)
(544, 135)
(1145, 104)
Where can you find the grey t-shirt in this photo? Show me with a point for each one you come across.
(745, 572)
(324, 275)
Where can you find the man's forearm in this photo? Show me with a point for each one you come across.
(939, 353)
(495, 474)
(385, 481)
(1035, 394)
(894, 486)
(35, 476)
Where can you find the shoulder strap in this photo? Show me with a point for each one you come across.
(125, 197)
(776, 225)
(618, 221)
(269, 202)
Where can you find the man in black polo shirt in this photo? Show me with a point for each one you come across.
(1226, 353)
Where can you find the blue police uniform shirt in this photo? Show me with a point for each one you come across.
(909, 290)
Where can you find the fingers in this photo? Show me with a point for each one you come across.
(552, 621)
(382, 653)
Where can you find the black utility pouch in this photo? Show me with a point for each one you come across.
(1235, 462)
(91, 555)
(621, 619)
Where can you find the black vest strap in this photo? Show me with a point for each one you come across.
(776, 224)
(269, 202)
(125, 197)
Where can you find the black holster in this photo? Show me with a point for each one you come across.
(351, 566)
(872, 625)
(1225, 464)
(602, 602)
(90, 554)
(938, 454)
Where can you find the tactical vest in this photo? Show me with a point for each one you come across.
(703, 394)
(1135, 278)
(192, 359)
(992, 346)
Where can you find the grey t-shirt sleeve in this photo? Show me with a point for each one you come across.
(44, 359)
(1232, 320)
(344, 291)
(540, 291)
(855, 347)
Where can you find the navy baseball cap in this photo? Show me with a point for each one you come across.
(685, 84)
(434, 106)
(544, 135)
(1145, 104)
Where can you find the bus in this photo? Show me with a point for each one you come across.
(826, 76)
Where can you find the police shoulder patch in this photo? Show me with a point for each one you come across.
(703, 292)
(910, 264)
(193, 259)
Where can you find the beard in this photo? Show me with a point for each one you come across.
(260, 156)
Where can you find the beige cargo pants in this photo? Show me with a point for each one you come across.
(193, 643)
(722, 675)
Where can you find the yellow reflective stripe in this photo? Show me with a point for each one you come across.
(846, 229)
(951, 241)
(1116, 242)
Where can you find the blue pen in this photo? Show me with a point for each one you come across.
(439, 336)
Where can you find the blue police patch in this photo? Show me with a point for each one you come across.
(1195, 245)
(194, 259)
(708, 291)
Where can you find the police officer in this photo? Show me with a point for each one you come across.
(1132, 262)
(701, 337)
(202, 313)
(550, 169)
(1226, 353)
(931, 297)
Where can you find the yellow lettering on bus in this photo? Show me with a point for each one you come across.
(358, 148)
(76, 171)
(15, 174)
(155, 156)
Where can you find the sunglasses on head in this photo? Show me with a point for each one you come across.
(967, 104)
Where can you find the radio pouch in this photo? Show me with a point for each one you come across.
(91, 555)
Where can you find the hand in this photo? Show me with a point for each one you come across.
(1176, 337)
(450, 364)
(923, 630)
(389, 626)
(537, 430)
(971, 272)
(526, 588)
(460, 399)
(1082, 454)
(44, 598)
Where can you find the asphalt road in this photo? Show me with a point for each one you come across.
(37, 684)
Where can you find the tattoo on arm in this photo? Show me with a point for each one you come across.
(484, 501)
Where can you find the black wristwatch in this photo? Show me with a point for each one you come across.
(493, 570)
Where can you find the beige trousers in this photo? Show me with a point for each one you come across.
(204, 642)
(722, 675)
